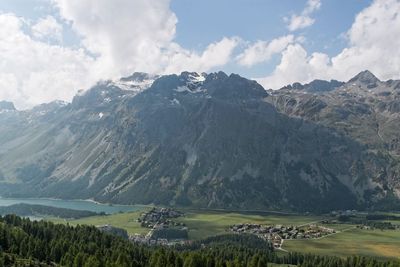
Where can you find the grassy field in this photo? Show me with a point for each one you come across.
(350, 241)
(125, 221)
(201, 224)
(204, 224)
(376, 243)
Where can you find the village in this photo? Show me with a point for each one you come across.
(163, 230)
(166, 227)
(277, 233)
(159, 218)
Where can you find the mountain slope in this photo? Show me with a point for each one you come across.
(201, 140)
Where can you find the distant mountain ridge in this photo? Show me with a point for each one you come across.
(316, 86)
(211, 140)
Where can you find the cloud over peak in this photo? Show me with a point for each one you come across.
(262, 51)
(48, 28)
(39, 62)
(373, 45)
(117, 38)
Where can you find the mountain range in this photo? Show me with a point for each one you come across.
(211, 141)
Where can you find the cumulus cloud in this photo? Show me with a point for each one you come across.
(122, 36)
(297, 66)
(297, 22)
(373, 42)
(312, 5)
(117, 38)
(262, 51)
(372, 45)
(48, 28)
(34, 72)
(126, 35)
(216, 54)
(138, 35)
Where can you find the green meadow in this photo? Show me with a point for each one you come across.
(376, 243)
(208, 223)
(125, 221)
(202, 224)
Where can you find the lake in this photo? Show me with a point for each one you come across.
(71, 204)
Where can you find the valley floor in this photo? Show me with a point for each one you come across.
(347, 241)
(373, 243)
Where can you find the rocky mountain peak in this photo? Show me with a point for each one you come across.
(316, 86)
(99, 95)
(233, 87)
(138, 77)
(192, 80)
(365, 77)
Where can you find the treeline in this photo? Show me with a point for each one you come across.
(170, 233)
(84, 246)
(371, 221)
(381, 217)
(243, 241)
(324, 261)
(15, 261)
(23, 209)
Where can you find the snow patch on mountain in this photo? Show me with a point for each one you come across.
(192, 82)
(137, 82)
(181, 89)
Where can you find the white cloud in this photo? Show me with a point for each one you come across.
(312, 5)
(138, 35)
(373, 45)
(216, 54)
(262, 51)
(34, 72)
(297, 22)
(374, 42)
(48, 28)
(118, 38)
(127, 35)
(122, 36)
(8, 86)
(297, 66)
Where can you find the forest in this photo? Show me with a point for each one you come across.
(23, 209)
(40, 243)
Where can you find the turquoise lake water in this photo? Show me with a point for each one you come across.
(70, 204)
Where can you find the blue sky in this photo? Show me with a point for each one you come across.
(206, 21)
(70, 44)
(255, 20)
(202, 22)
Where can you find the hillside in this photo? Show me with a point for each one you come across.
(210, 140)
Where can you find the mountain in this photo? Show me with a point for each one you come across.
(211, 140)
(136, 82)
(365, 78)
(316, 86)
